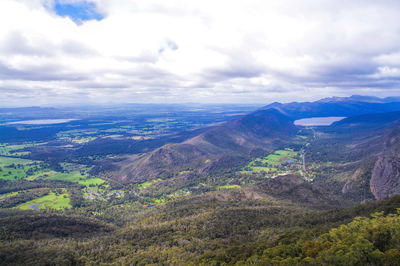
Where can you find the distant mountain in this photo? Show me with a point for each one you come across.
(337, 106)
(363, 151)
(353, 150)
(370, 119)
(368, 122)
(219, 147)
(361, 98)
(199, 202)
(26, 109)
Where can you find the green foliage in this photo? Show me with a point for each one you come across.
(15, 198)
(364, 241)
(16, 150)
(228, 187)
(77, 177)
(51, 201)
(15, 168)
(218, 228)
(47, 225)
(148, 183)
(277, 162)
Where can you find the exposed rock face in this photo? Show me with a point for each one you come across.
(357, 187)
(385, 181)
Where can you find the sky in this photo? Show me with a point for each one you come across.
(63, 52)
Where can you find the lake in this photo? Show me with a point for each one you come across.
(318, 121)
(41, 122)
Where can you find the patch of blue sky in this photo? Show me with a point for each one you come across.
(78, 11)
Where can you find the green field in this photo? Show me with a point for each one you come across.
(148, 184)
(278, 161)
(50, 201)
(14, 150)
(4, 161)
(263, 169)
(158, 200)
(76, 177)
(92, 182)
(184, 172)
(14, 168)
(7, 195)
(41, 174)
(228, 187)
(81, 140)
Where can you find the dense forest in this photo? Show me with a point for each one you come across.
(219, 229)
(249, 189)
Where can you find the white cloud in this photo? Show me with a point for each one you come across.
(211, 51)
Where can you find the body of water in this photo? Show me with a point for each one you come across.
(318, 121)
(41, 122)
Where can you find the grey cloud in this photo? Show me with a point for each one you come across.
(45, 72)
(240, 65)
(232, 72)
(72, 47)
(144, 57)
(102, 85)
(363, 36)
(15, 43)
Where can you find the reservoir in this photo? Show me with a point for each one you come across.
(318, 121)
(41, 122)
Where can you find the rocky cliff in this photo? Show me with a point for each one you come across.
(385, 179)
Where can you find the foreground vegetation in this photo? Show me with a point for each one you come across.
(364, 241)
(58, 206)
(220, 228)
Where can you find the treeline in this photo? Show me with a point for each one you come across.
(19, 185)
(22, 197)
(364, 241)
(49, 225)
(219, 228)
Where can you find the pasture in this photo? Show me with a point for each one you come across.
(76, 177)
(15, 168)
(148, 184)
(50, 201)
(276, 162)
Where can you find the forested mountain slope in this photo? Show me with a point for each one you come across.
(227, 227)
(254, 190)
(358, 156)
(219, 147)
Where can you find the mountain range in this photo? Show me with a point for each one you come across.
(257, 189)
(356, 147)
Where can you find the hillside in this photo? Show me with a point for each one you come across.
(359, 154)
(296, 189)
(218, 147)
(215, 228)
(253, 190)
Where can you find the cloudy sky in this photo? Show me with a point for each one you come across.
(241, 51)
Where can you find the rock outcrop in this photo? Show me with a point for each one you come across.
(385, 179)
